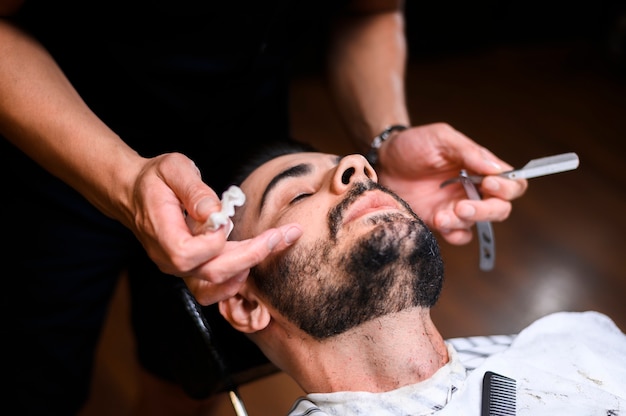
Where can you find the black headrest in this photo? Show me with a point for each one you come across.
(220, 357)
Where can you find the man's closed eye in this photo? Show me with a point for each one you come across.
(298, 198)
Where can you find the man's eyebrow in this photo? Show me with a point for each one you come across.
(292, 172)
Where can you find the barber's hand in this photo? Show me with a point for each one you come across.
(213, 268)
(229, 270)
(415, 162)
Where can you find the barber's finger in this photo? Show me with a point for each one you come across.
(222, 277)
(458, 236)
(480, 160)
(453, 229)
(239, 256)
(457, 226)
(503, 188)
(207, 293)
(490, 209)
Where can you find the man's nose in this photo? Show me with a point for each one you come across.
(351, 169)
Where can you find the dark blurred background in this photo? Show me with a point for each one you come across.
(525, 79)
(529, 79)
(436, 28)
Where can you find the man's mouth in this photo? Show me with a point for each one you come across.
(363, 199)
(370, 202)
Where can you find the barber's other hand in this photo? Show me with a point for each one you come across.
(213, 269)
(415, 162)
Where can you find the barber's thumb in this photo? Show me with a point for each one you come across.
(487, 163)
(198, 221)
(206, 206)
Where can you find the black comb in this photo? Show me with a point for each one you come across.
(499, 395)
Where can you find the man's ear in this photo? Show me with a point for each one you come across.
(245, 311)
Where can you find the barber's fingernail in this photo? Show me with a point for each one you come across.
(292, 234)
(490, 184)
(231, 225)
(206, 205)
(466, 211)
(196, 168)
(289, 236)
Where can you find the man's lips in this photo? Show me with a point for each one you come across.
(371, 201)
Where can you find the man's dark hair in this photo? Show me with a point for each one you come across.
(266, 153)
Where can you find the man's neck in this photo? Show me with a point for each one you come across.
(381, 355)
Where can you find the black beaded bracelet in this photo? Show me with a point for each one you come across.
(372, 154)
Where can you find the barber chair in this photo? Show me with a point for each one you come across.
(220, 358)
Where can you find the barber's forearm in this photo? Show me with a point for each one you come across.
(366, 70)
(43, 115)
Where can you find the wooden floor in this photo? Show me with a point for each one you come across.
(563, 247)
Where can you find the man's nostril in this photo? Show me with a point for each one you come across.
(347, 174)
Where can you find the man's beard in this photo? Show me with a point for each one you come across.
(395, 266)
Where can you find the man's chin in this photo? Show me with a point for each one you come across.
(396, 225)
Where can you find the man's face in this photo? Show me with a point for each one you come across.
(363, 254)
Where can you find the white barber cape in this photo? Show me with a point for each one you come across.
(565, 364)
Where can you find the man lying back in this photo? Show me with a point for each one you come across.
(346, 310)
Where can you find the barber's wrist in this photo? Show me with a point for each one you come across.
(372, 154)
